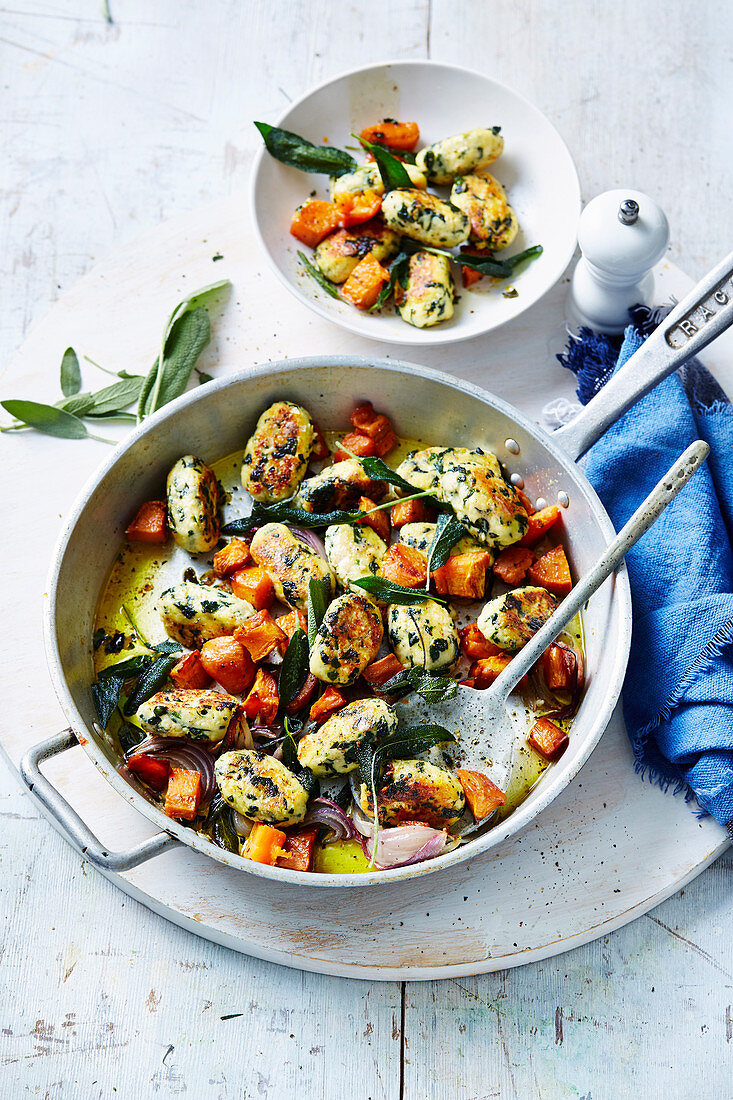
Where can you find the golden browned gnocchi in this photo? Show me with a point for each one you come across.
(277, 453)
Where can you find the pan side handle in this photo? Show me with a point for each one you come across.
(703, 315)
(70, 821)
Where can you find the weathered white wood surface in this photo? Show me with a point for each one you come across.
(110, 129)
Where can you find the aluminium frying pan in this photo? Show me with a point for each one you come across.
(216, 419)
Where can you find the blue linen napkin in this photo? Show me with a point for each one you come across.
(678, 692)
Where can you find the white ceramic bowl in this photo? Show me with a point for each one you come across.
(536, 168)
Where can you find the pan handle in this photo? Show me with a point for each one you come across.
(70, 821)
(691, 326)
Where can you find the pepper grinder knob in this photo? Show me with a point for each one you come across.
(622, 234)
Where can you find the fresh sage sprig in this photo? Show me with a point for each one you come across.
(393, 172)
(70, 373)
(49, 420)
(389, 592)
(185, 336)
(290, 148)
(319, 597)
(317, 274)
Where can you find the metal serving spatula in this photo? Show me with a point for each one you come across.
(488, 730)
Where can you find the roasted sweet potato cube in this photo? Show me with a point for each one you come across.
(190, 673)
(558, 665)
(378, 521)
(539, 524)
(150, 524)
(314, 220)
(299, 849)
(365, 282)
(482, 795)
(259, 635)
(183, 794)
(404, 565)
(328, 703)
(355, 443)
(552, 572)
(294, 620)
(254, 585)
(262, 703)
(512, 564)
(235, 555)
(379, 672)
(474, 645)
(463, 575)
(485, 671)
(410, 511)
(548, 739)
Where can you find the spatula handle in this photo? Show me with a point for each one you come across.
(643, 518)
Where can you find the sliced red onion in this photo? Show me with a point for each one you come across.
(403, 845)
(181, 754)
(266, 733)
(323, 811)
(362, 822)
(311, 539)
(242, 824)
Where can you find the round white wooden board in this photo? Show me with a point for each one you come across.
(610, 848)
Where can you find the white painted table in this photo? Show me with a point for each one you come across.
(109, 129)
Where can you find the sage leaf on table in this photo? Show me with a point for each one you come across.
(70, 373)
(115, 398)
(448, 531)
(393, 172)
(319, 597)
(317, 274)
(390, 592)
(185, 336)
(47, 419)
(290, 148)
(294, 669)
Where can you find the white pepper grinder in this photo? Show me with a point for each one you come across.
(622, 235)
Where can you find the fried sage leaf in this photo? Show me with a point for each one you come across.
(393, 172)
(285, 512)
(433, 689)
(319, 597)
(398, 270)
(389, 592)
(317, 274)
(448, 531)
(294, 669)
(500, 269)
(151, 679)
(298, 152)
